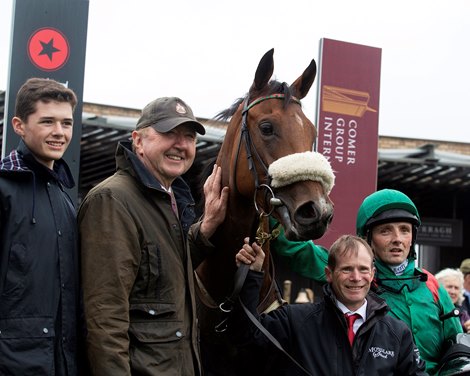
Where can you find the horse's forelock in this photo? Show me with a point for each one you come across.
(287, 93)
(273, 87)
(276, 87)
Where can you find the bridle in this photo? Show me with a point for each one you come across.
(227, 305)
(261, 236)
(250, 149)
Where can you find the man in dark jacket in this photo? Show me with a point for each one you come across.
(139, 247)
(465, 269)
(319, 335)
(39, 278)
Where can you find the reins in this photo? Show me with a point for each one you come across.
(271, 338)
(227, 305)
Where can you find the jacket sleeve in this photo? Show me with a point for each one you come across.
(199, 246)
(409, 360)
(110, 255)
(452, 326)
(303, 257)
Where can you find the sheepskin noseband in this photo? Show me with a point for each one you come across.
(296, 167)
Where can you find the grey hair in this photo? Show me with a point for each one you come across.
(456, 273)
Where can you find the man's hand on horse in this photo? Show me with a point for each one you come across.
(216, 199)
(252, 255)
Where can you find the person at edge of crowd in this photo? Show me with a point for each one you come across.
(389, 221)
(465, 269)
(139, 246)
(40, 310)
(452, 280)
(348, 332)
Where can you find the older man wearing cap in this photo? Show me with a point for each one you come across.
(139, 247)
(465, 269)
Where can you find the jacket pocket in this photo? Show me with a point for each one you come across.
(27, 346)
(145, 285)
(16, 271)
(154, 322)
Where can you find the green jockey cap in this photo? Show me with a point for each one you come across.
(385, 206)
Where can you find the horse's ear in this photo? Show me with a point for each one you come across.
(264, 71)
(302, 85)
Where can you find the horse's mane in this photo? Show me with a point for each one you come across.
(200, 174)
(203, 170)
(273, 87)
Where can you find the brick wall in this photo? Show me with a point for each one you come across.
(387, 142)
(103, 110)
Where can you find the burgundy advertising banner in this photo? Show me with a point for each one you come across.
(347, 121)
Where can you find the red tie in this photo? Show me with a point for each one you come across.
(350, 319)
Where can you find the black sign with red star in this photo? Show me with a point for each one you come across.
(48, 49)
(48, 41)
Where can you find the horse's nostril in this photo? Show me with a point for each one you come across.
(309, 213)
(306, 213)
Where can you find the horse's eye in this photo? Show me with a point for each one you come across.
(266, 128)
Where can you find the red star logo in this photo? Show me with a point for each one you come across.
(48, 49)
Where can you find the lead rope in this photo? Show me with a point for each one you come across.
(227, 305)
(269, 336)
(261, 238)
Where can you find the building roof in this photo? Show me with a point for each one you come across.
(424, 168)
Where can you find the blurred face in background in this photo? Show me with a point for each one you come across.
(453, 287)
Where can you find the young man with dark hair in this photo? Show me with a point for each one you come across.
(39, 277)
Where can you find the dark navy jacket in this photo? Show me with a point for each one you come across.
(39, 278)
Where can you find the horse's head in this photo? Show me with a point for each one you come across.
(268, 163)
(268, 146)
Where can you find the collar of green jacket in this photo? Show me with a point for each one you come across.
(385, 278)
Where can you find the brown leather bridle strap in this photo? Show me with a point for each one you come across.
(246, 138)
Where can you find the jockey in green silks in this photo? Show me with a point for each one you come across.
(389, 221)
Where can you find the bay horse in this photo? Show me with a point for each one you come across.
(268, 163)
